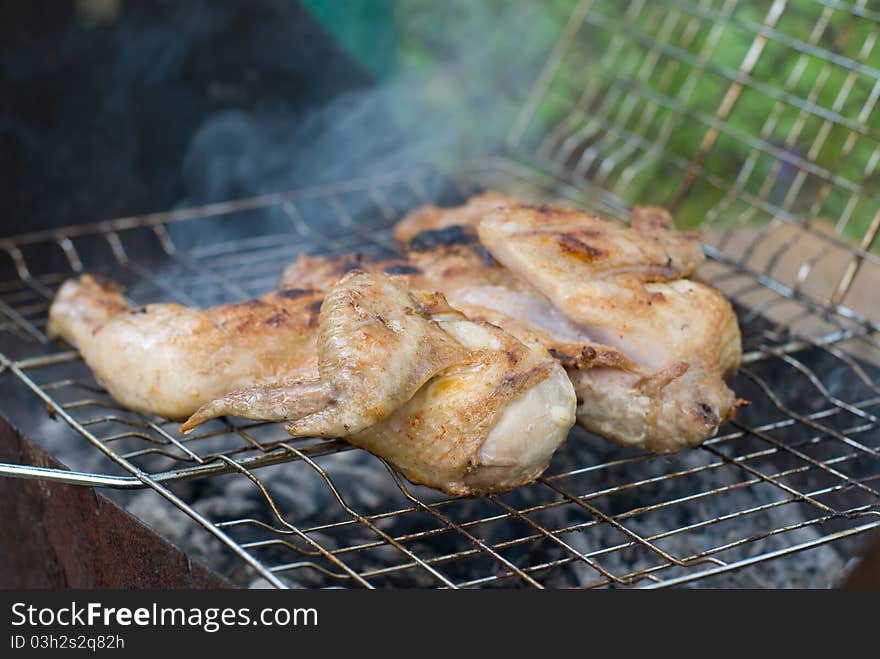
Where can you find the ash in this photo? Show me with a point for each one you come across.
(716, 501)
(368, 488)
(710, 501)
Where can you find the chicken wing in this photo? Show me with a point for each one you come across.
(456, 405)
(169, 359)
(376, 346)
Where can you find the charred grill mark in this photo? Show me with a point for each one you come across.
(549, 214)
(511, 381)
(559, 355)
(589, 353)
(542, 209)
(577, 359)
(517, 382)
(485, 256)
(277, 319)
(402, 269)
(248, 304)
(291, 293)
(707, 414)
(578, 248)
(455, 234)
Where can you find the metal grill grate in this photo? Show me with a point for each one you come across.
(796, 471)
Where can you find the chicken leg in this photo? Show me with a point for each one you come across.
(169, 359)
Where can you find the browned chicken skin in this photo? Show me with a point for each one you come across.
(646, 348)
(468, 215)
(627, 288)
(169, 359)
(376, 346)
(454, 404)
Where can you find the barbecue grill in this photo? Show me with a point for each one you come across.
(791, 241)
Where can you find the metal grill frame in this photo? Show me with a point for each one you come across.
(540, 171)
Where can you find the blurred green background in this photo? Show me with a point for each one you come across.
(638, 88)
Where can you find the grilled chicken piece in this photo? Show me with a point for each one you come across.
(646, 348)
(456, 405)
(553, 248)
(170, 359)
(376, 346)
(481, 289)
(435, 218)
(626, 288)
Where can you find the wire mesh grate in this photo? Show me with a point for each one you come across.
(789, 219)
(762, 137)
(798, 468)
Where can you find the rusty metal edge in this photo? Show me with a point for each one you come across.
(54, 535)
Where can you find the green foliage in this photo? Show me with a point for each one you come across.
(641, 85)
(782, 142)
